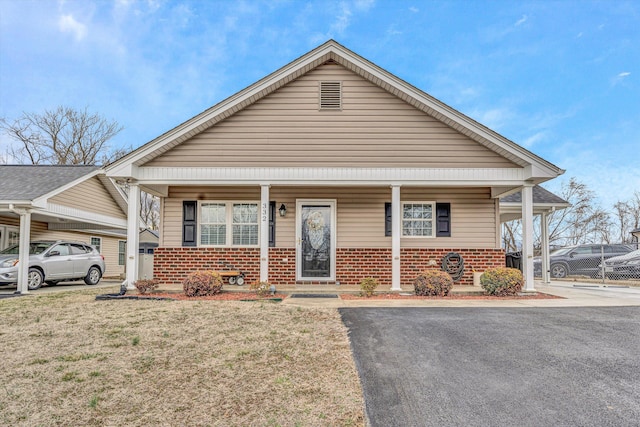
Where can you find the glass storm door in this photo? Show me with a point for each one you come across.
(316, 240)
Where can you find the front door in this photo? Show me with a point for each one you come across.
(316, 232)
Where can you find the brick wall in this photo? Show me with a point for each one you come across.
(172, 265)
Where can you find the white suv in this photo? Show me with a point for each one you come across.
(51, 262)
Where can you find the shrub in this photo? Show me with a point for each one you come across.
(260, 288)
(502, 281)
(146, 285)
(202, 283)
(368, 286)
(433, 283)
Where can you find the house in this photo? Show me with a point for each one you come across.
(330, 170)
(63, 203)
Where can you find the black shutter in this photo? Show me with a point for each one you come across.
(443, 219)
(189, 223)
(272, 224)
(387, 219)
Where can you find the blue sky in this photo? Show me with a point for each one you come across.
(561, 78)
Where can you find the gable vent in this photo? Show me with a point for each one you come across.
(330, 95)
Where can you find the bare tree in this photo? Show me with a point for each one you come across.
(627, 215)
(511, 235)
(63, 136)
(150, 210)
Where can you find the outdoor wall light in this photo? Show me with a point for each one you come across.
(282, 210)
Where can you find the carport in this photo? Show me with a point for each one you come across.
(64, 199)
(544, 203)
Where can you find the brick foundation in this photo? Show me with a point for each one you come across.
(172, 265)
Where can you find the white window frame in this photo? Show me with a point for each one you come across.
(123, 253)
(99, 245)
(432, 220)
(229, 222)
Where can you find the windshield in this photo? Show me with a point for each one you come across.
(561, 251)
(35, 248)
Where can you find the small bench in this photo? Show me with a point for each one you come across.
(235, 277)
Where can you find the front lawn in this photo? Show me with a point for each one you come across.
(71, 360)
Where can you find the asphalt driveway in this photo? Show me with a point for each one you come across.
(439, 366)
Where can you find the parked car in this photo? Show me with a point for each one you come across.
(624, 266)
(579, 260)
(51, 262)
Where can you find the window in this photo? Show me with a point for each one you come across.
(78, 249)
(122, 250)
(229, 223)
(442, 220)
(97, 243)
(417, 219)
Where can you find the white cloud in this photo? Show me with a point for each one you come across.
(68, 24)
(521, 20)
(533, 139)
(414, 9)
(624, 74)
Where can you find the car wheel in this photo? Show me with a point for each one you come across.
(93, 276)
(558, 271)
(51, 282)
(240, 281)
(232, 280)
(35, 279)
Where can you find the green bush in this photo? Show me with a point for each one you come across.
(433, 283)
(146, 285)
(368, 286)
(260, 288)
(202, 283)
(502, 281)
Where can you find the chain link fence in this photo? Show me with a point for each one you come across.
(599, 263)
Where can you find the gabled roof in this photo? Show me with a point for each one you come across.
(333, 51)
(33, 184)
(28, 182)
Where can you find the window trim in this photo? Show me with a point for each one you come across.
(432, 220)
(123, 253)
(99, 246)
(229, 222)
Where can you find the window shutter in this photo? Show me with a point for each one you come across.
(387, 219)
(330, 96)
(189, 223)
(443, 219)
(272, 224)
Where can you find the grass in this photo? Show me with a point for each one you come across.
(71, 360)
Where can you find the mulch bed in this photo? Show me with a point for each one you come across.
(224, 296)
(248, 296)
(450, 297)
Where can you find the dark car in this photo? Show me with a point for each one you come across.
(623, 266)
(581, 260)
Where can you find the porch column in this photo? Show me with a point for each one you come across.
(396, 230)
(527, 237)
(264, 233)
(133, 234)
(544, 226)
(23, 252)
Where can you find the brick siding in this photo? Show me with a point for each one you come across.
(172, 265)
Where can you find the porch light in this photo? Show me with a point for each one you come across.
(282, 210)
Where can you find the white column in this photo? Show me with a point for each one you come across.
(133, 234)
(527, 237)
(544, 225)
(396, 231)
(264, 233)
(23, 253)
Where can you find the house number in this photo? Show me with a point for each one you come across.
(264, 213)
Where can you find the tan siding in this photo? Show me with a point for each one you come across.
(374, 129)
(360, 214)
(89, 195)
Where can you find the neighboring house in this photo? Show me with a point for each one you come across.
(329, 170)
(148, 241)
(67, 203)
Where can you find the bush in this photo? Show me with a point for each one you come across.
(502, 281)
(202, 283)
(260, 288)
(144, 286)
(433, 283)
(368, 286)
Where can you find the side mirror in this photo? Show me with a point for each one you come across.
(54, 253)
(571, 255)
